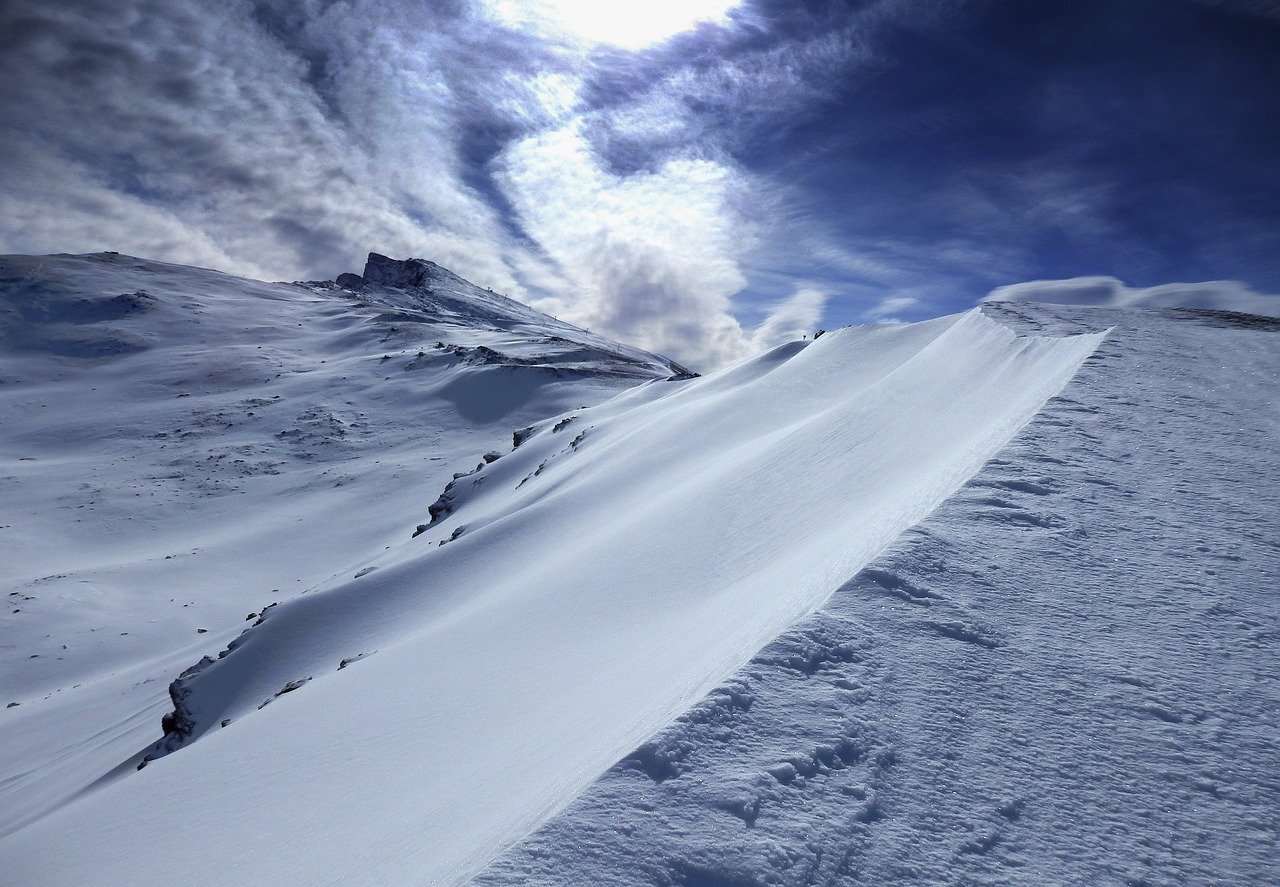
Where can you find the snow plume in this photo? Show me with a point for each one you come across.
(791, 319)
(650, 258)
(1222, 295)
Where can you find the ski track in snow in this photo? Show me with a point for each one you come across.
(1068, 674)
(409, 720)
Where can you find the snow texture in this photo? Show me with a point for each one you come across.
(180, 448)
(1108, 292)
(985, 599)
(1068, 674)
(599, 579)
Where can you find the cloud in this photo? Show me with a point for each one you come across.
(649, 257)
(284, 140)
(888, 308)
(632, 26)
(653, 257)
(903, 157)
(91, 216)
(281, 143)
(1222, 295)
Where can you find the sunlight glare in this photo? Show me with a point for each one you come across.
(624, 23)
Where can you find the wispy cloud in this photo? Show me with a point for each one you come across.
(285, 141)
(292, 146)
(902, 157)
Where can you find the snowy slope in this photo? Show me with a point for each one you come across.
(179, 448)
(411, 717)
(1067, 674)
(1108, 292)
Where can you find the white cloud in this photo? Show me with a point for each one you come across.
(547, 98)
(92, 218)
(649, 258)
(628, 25)
(1223, 295)
(282, 147)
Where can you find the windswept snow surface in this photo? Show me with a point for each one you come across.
(406, 721)
(1108, 292)
(1069, 673)
(179, 448)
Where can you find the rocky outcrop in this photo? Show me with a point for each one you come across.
(402, 273)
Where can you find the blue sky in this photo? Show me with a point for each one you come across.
(703, 178)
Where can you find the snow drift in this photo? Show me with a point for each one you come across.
(410, 719)
(180, 448)
(1109, 292)
(1065, 674)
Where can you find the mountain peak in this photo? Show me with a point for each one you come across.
(420, 285)
(402, 273)
(397, 273)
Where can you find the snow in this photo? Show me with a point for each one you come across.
(1066, 674)
(1108, 292)
(985, 599)
(180, 448)
(462, 684)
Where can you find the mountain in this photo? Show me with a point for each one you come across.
(180, 448)
(984, 598)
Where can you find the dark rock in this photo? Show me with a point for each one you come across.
(291, 686)
(401, 273)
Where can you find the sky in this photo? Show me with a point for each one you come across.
(703, 178)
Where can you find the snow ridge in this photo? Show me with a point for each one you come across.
(611, 570)
(1064, 674)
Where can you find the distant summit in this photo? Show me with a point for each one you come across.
(436, 294)
(398, 273)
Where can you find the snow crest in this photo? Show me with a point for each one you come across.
(598, 580)
(1063, 675)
